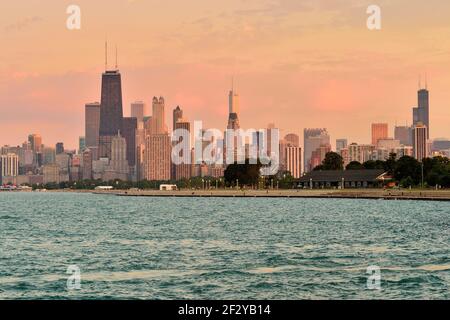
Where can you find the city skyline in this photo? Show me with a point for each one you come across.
(369, 77)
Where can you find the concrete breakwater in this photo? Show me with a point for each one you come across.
(425, 195)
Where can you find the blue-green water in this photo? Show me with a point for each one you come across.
(206, 248)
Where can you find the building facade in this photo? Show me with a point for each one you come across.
(379, 131)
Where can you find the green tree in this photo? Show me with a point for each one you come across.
(407, 166)
(333, 161)
(407, 182)
(354, 165)
(246, 174)
(371, 164)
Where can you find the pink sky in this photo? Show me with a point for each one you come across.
(297, 63)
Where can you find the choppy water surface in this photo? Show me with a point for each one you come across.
(203, 248)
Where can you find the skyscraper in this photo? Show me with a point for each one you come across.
(313, 140)
(111, 113)
(421, 114)
(36, 142)
(183, 170)
(359, 152)
(118, 165)
(233, 108)
(379, 131)
(292, 140)
(420, 141)
(157, 157)
(424, 109)
(81, 144)
(92, 124)
(177, 114)
(129, 128)
(138, 111)
(294, 161)
(403, 134)
(341, 144)
(158, 116)
(158, 146)
(87, 164)
(59, 148)
(9, 168)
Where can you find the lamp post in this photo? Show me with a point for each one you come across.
(310, 183)
(422, 174)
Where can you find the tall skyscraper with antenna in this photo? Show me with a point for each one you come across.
(111, 111)
(421, 114)
(233, 106)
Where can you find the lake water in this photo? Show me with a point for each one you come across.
(216, 248)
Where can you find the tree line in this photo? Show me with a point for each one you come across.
(406, 171)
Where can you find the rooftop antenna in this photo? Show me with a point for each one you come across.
(420, 81)
(106, 55)
(116, 59)
(426, 81)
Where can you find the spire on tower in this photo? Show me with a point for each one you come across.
(106, 55)
(116, 59)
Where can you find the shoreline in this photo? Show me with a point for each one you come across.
(420, 195)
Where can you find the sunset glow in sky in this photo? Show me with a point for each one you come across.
(297, 63)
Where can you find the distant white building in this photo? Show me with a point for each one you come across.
(168, 187)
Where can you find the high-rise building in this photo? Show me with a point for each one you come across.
(318, 155)
(92, 125)
(177, 114)
(158, 145)
(158, 116)
(139, 111)
(81, 144)
(341, 144)
(314, 139)
(233, 108)
(129, 130)
(51, 173)
(183, 170)
(36, 142)
(404, 151)
(59, 148)
(423, 109)
(111, 112)
(379, 131)
(359, 152)
(388, 143)
(87, 164)
(9, 168)
(48, 155)
(157, 157)
(403, 134)
(119, 162)
(420, 141)
(292, 140)
(294, 161)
